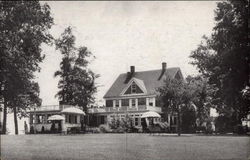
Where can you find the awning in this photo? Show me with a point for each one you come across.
(56, 117)
(150, 114)
(73, 110)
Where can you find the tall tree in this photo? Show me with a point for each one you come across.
(175, 95)
(201, 97)
(77, 82)
(224, 59)
(24, 26)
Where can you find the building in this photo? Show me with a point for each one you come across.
(133, 94)
(55, 117)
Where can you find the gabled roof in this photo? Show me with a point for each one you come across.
(149, 78)
(137, 81)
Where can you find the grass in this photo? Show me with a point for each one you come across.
(123, 147)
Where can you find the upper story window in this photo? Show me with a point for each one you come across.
(151, 101)
(116, 103)
(125, 102)
(133, 103)
(141, 101)
(109, 103)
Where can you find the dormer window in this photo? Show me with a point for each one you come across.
(133, 88)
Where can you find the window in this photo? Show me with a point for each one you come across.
(141, 101)
(133, 102)
(136, 121)
(151, 102)
(40, 119)
(125, 102)
(66, 118)
(69, 118)
(133, 88)
(109, 103)
(75, 119)
(117, 103)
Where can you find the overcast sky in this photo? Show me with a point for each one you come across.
(121, 34)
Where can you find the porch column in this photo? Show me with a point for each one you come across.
(136, 103)
(64, 128)
(147, 101)
(169, 120)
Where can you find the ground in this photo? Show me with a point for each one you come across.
(123, 147)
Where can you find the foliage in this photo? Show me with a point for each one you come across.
(188, 119)
(104, 129)
(122, 125)
(24, 27)
(77, 82)
(224, 59)
(223, 124)
(191, 99)
(201, 97)
(175, 95)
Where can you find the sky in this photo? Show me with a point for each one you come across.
(121, 34)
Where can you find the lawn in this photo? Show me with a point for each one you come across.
(123, 147)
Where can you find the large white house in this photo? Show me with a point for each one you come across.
(133, 94)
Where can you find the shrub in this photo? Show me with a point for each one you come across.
(53, 128)
(32, 130)
(119, 130)
(43, 130)
(223, 124)
(239, 129)
(104, 129)
(200, 129)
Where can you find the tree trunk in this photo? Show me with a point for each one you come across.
(4, 117)
(15, 121)
(178, 122)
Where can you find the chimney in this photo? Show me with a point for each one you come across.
(132, 70)
(164, 66)
(130, 74)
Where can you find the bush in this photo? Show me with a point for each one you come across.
(32, 130)
(223, 124)
(75, 130)
(119, 130)
(43, 130)
(209, 129)
(53, 128)
(239, 129)
(104, 129)
(200, 129)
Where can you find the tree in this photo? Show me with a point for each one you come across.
(77, 82)
(26, 99)
(224, 59)
(175, 95)
(188, 119)
(201, 97)
(24, 27)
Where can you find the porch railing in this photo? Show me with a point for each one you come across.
(51, 108)
(126, 108)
